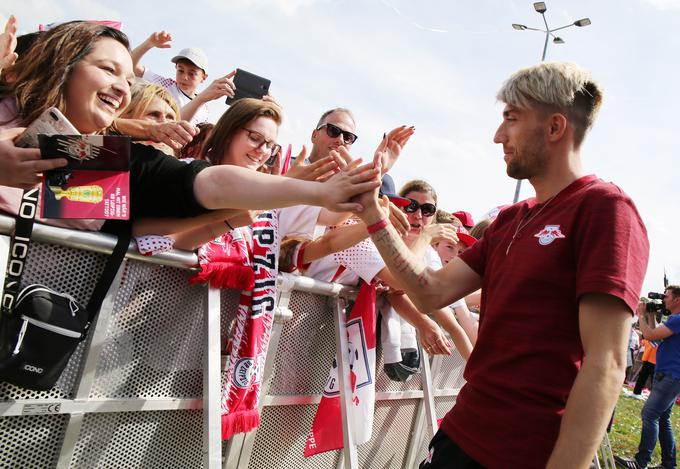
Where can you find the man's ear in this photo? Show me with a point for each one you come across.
(205, 76)
(314, 133)
(557, 127)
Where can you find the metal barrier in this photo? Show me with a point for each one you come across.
(144, 389)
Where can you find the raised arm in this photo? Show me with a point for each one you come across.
(8, 42)
(604, 324)
(219, 88)
(228, 186)
(160, 39)
(427, 288)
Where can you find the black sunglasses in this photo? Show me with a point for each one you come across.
(427, 209)
(333, 131)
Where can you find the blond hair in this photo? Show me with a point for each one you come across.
(142, 95)
(556, 87)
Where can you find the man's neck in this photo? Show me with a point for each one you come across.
(557, 176)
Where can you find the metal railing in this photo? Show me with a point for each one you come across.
(144, 390)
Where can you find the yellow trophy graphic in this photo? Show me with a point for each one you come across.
(90, 194)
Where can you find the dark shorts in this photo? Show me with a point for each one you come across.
(445, 454)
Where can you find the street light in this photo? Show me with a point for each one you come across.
(541, 8)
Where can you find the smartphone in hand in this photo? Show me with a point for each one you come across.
(248, 85)
(50, 122)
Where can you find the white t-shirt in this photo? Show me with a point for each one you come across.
(202, 113)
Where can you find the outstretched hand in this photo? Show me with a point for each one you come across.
(321, 170)
(391, 145)
(8, 42)
(173, 134)
(340, 191)
(160, 39)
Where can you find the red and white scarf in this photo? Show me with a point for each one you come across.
(254, 319)
(229, 262)
(326, 432)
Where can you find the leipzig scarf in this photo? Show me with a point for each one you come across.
(326, 432)
(225, 263)
(254, 319)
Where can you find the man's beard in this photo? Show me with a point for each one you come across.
(530, 159)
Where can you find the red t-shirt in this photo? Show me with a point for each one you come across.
(588, 239)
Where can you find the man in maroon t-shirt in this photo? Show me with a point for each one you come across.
(561, 275)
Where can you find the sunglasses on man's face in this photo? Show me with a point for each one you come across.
(333, 131)
(427, 209)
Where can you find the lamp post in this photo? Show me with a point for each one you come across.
(541, 8)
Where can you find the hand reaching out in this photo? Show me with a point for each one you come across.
(173, 134)
(8, 42)
(320, 170)
(338, 193)
(160, 39)
(438, 232)
(391, 145)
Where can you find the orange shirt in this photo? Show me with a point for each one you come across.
(649, 355)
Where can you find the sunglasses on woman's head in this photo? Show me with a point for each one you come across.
(333, 131)
(427, 209)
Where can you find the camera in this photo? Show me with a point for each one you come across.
(654, 306)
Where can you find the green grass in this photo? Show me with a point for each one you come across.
(625, 434)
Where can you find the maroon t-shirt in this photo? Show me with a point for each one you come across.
(588, 239)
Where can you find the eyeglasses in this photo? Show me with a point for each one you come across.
(333, 131)
(427, 209)
(257, 140)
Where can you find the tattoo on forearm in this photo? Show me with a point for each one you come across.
(396, 256)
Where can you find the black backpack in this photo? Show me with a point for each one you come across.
(39, 327)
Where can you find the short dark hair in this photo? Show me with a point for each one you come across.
(674, 289)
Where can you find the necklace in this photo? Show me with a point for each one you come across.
(524, 222)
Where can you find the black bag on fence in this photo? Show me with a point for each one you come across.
(41, 328)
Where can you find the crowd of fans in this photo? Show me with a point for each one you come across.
(195, 181)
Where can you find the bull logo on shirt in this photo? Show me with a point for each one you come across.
(549, 234)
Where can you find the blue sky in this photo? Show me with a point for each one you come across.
(437, 65)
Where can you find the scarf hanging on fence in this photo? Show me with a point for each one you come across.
(252, 331)
(326, 432)
(225, 262)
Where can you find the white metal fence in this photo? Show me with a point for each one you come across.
(144, 389)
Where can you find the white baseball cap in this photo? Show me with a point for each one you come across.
(193, 55)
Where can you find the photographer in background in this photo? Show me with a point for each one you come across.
(656, 413)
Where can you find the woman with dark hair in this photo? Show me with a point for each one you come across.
(85, 70)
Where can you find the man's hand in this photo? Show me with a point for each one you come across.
(339, 191)
(173, 134)
(22, 167)
(220, 87)
(391, 145)
(8, 42)
(432, 339)
(160, 39)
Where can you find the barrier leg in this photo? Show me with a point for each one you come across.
(212, 424)
(84, 385)
(349, 451)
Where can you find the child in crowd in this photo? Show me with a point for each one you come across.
(191, 66)
(447, 251)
